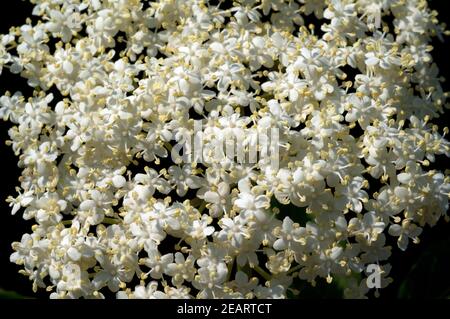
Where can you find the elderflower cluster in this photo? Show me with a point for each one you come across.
(350, 85)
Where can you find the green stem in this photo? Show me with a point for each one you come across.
(168, 146)
(263, 273)
(202, 207)
(111, 221)
(230, 268)
(294, 269)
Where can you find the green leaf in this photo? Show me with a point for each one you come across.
(6, 294)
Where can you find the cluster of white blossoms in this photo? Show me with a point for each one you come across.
(349, 84)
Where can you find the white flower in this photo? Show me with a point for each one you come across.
(182, 269)
(113, 204)
(184, 179)
(199, 229)
(157, 263)
(212, 271)
(219, 198)
(143, 292)
(404, 232)
(252, 205)
(22, 200)
(234, 231)
(353, 195)
(369, 227)
(287, 235)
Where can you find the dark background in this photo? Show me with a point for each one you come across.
(423, 271)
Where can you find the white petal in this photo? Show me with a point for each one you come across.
(62, 204)
(119, 181)
(336, 252)
(268, 86)
(401, 192)
(74, 254)
(16, 68)
(371, 61)
(87, 204)
(15, 208)
(227, 222)
(402, 242)
(395, 230)
(279, 244)
(208, 230)
(212, 197)
(293, 95)
(67, 67)
(259, 42)
(404, 178)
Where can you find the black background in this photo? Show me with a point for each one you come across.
(423, 271)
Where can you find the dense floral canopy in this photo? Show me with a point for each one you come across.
(349, 85)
